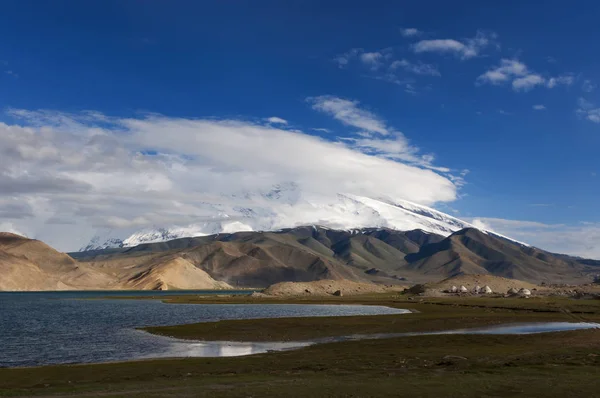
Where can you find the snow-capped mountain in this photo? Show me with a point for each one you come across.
(165, 234)
(100, 242)
(285, 206)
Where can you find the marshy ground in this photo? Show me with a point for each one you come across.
(552, 364)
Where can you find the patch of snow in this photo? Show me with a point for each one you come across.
(285, 206)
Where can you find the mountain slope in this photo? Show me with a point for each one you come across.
(302, 254)
(258, 259)
(176, 273)
(18, 274)
(373, 254)
(28, 264)
(471, 251)
(285, 208)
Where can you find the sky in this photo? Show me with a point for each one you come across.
(126, 114)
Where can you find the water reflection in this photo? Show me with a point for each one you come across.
(37, 329)
(211, 349)
(182, 348)
(527, 328)
(517, 328)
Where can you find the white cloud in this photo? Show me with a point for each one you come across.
(588, 86)
(588, 111)
(528, 82)
(391, 77)
(565, 80)
(276, 120)
(372, 59)
(349, 113)
(369, 127)
(344, 59)
(464, 49)
(581, 239)
(80, 172)
(539, 107)
(460, 179)
(410, 32)
(397, 148)
(593, 115)
(523, 79)
(9, 227)
(444, 45)
(410, 88)
(419, 68)
(321, 129)
(508, 69)
(381, 66)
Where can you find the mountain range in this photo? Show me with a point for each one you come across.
(285, 207)
(360, 239)
(31, 265)
(259, 259)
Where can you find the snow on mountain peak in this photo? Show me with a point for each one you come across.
(286, 207)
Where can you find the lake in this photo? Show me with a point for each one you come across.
(62, 327)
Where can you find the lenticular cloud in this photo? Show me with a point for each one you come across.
(91, 170)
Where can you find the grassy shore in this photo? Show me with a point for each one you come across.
(430, 315)
(553, 364)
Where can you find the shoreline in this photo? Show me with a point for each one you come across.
(423, 363)
(325, 340)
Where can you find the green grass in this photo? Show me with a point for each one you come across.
(552, 364)
(429, 318)
(433, 314)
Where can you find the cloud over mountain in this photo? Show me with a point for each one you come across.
(89, 170)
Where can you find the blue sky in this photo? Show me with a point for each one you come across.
(457, 80)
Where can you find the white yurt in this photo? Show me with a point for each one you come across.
(463, 289)
(525, 292)
(487, 290)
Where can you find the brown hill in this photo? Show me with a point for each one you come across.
(259, 259)
(17, 273)
(175, 273)
(34, 251)
(28, 264)
(327, 288)
(303, 254)
(471, 251)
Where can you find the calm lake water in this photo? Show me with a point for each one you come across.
(59, 327)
